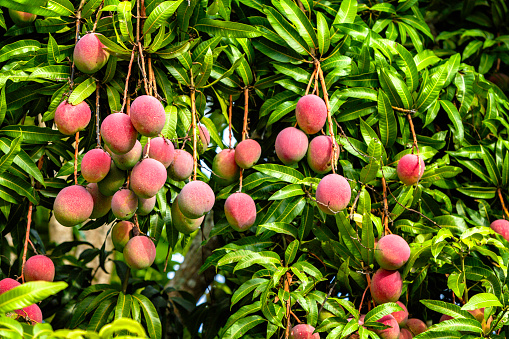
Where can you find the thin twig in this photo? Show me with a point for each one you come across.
(194, 126)
(230, 109)
(386, 206)
(310, 81)
(98, 16)
(151, 79)
(76, 150)
(327, 297)
(329, 118)
(97, 118)
(414, 136)
(76, 38)
(244, 129)
(138, 43)
(126, 87)
(506, 212)
(288, 282)
(27, 235)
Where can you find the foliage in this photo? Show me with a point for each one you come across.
(401, 77)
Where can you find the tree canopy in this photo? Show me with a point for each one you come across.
(409, 86)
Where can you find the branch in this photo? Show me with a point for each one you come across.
(506, 212)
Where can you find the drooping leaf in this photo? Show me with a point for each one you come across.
(159, 15)
(227, 29)
(28, 294)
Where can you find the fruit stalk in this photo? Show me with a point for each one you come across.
(97, 16)
(504, 208)
(313, 76)
(140, 9)
(288, 282)
(126, 87)
(329, 118)
(414, 136)
(27, 235)
(76, 38)
(126, 280)
(244, 128)
(97, 119)
(386, 206)
(230, 109)
(76, 149)
(194, 126)
(151, 78)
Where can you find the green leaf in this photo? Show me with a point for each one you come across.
(412, 77)
(151, 316)
(395, 88)
(430, 90)
(114, 101)
(179, 73)
(160, 15)
(53, 51)
(472, 47)
(123, 307)
(323, 35)
(174, 51)
(185, 60)
(482, 300)
(23, 160)
(462, 324)
(381, 311)
(19, 185)
(243, 69)
(239, 329)
(111, 46)
(10, 328)
(31, 134)
(301, 22)
(89, 8)
(347, 12)
(425, 58)
(240, 314)
(446, 308)
(286, 31)
(61, 73)
(418, 24)
(229, 72)
(256, 258)
(132, 326)
(227, 29)
(246, 288)
(295, 73)
(125, 22)
(100, 316)
(280, 227)
(212, 131)
(387, 124)
(7, 159)
(491, 166)
(479, 192)
(205, 69)
(276, 52)
(291, 252)
(18, 48)
(281, 111)
(3, 105)
(455, 118)
(82, 91)
(281, 172)
(289, 191)
(29, 293)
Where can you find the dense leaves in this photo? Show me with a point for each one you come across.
(408, 77)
